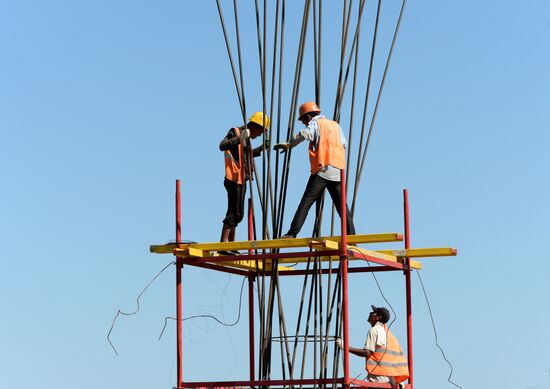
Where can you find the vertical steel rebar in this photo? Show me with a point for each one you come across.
(408, 287)
(344, 259)
(179, 266)
(251, 296)
(251, 325)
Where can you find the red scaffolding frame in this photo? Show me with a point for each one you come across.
(209, 260)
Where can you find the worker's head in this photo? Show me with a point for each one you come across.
(256, 124)
(380, 314)
(308, 111)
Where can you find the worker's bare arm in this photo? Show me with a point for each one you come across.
(360, 352)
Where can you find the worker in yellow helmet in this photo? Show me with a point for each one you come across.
(235, 147)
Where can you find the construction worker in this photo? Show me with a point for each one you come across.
(327, 159)
(235, 147)
(385, 361)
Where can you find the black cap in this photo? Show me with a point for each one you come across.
(383, 313)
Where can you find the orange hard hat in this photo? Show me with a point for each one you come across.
(308, 107)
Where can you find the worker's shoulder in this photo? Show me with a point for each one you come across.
(232, 132)
(324, 119)
(235, 130)
(378, 329)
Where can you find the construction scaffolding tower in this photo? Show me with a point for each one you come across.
(268, 258)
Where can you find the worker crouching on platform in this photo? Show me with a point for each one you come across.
(236, 150)
(385, 361)
(327, 159)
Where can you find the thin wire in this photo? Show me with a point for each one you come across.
(383, 296)
(352, 110)
(380, 90)
(345, 34)
(342, 85)
(239, 92)
(435, 331)
(237, 34)
(138, 305)
(366, 102)
(209, 316)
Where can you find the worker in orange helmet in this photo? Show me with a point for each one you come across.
(385, 361)
(327, 159)
(235, 147)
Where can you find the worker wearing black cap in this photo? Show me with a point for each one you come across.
(385, 361)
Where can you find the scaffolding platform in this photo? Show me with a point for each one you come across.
(261, 254)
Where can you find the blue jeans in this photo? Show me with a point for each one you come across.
(314, 190)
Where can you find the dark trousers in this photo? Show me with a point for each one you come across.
(235, 202)
(314, 190)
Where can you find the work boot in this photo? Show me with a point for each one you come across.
(287, 236)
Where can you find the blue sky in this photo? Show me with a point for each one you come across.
(104, 104)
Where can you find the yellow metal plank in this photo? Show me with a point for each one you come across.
(422, 252)
(162, 248)
(325, 244)
(375, 254)
(278, 243)
(387, 257)
(193, 252)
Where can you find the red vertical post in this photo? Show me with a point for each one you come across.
(251, 296)
(179, 266)
(408, 287)
(344, 259)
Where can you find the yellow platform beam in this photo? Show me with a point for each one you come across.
(277, 243)
(325, 244)
(422, 252)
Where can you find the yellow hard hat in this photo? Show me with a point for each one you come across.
(258, 118)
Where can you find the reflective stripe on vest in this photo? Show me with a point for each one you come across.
(234, 170)
(389, 361)
(330, 150)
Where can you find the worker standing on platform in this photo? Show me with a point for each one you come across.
(385, 361)
(236, 148)
(327, 159)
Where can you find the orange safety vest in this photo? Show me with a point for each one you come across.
(330, 150)
(234, 170)
(389, 361)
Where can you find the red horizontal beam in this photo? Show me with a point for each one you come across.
(226, 384)
(363, 269)
(253, 257)
(218, 268)
(395, 265)
(283, 383)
